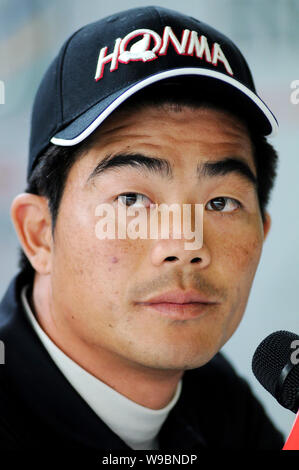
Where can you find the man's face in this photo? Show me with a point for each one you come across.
(98, 286)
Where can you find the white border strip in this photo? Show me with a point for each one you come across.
(161, 76)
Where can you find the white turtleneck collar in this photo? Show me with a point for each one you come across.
(136, 425)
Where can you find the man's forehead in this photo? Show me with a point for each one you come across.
(201, 117)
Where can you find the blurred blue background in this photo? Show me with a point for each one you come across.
(266, 31)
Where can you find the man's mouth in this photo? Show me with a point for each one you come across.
(180, 304)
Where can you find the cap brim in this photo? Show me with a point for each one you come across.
(79, 129)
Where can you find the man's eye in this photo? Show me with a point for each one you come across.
(223, 204)
(133, 199)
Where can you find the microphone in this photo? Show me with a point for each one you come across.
(275, 364)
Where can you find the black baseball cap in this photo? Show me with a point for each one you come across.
(106, 62)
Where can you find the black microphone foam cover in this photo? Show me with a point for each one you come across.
(271, 365)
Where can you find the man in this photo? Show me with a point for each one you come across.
(113, 343)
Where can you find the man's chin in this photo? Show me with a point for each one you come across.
(180, 362)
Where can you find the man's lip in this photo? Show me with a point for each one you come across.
(179, 297)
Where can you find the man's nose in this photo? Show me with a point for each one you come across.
(174, 251)
(176, 246)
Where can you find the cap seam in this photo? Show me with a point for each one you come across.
(60, 78)
(162, 22)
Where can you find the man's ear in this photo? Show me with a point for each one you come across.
(32, 221)
(266, 224)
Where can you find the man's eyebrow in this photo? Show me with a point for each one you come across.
(226, 166)
(158, 166)
(162, 167)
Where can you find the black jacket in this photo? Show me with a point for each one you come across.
(39, 409)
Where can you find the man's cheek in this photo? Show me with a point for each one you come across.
(104, 261)
(241, 255)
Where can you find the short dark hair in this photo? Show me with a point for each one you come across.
(50, 173)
